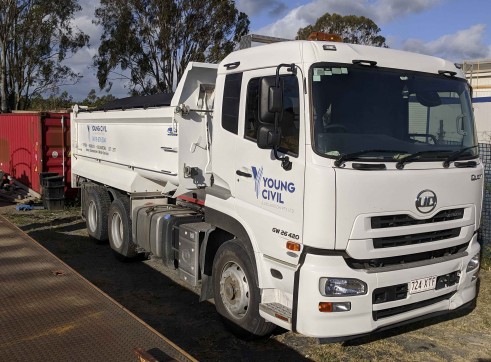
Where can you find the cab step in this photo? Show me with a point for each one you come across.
(277, 310)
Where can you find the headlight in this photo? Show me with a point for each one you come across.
(341, 287)
(473, 263)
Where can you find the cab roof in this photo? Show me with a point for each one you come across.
(309, 52)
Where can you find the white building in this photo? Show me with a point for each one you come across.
(478, 73)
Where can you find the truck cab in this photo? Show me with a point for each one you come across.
(375, 220)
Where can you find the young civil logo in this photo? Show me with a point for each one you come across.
(269, 188)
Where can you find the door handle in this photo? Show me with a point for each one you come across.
(243, 174)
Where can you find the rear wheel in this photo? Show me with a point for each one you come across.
(96, 211)
(119, 225)
(236, 293)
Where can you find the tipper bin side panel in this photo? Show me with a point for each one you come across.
(141, 142)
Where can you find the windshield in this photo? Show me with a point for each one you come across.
(385, 114)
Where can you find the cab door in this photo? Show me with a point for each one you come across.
(269, 198)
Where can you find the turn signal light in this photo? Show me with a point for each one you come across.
(325, 307)
(329, 307)
(290, 245)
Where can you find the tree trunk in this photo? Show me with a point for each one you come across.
(3, 79)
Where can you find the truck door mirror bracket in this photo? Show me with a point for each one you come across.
(269, 138)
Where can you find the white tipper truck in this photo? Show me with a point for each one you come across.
(327, 188)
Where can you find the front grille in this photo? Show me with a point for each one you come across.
(412, 239)
(405, 259)
(385, 313)
(390, 221)
(389, 294)
(447, 280)
(400, 291)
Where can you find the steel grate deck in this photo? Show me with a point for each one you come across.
(48, 312)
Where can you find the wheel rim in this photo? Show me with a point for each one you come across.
(92, 216)
(234, 290)
(117, 230)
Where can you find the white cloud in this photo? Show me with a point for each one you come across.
(465, 44)
(380, 11)
(81, 62)
(274, 8)
(83, 21)
(385, 11)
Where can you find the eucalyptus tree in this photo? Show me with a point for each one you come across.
(352, 29)
(148, 43)
(36, 36)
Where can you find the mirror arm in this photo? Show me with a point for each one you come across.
(285, 160)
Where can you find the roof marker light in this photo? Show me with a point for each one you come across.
(320, 36)
(448, 73)
(329, 47)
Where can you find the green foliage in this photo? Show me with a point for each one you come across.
(35, 37)
(352, 29)
(53, 103)
(65, 101)
(150, 42)
(93, 101)
(486, 257)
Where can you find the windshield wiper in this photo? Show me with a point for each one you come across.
(355, 155)
(413, 156)
(455, 155)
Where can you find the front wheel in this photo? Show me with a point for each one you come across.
(236, 293)
(119, 230)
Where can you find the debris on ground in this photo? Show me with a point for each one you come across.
(12, 191)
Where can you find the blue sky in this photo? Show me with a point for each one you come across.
(454, 29)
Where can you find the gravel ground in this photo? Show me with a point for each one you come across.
(155, 294)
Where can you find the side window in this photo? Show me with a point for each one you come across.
(252, 110)
(231, 100)
(290, 121)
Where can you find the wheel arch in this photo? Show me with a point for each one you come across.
(85, 185)
(114, 193)
(226, 228)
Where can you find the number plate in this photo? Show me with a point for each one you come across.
(422, 285)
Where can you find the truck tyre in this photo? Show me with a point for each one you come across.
(96, 212)
(236, 293)
(119, 225)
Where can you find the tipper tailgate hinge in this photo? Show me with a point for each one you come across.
(190, 172)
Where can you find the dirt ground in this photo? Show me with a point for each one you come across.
(173, 309)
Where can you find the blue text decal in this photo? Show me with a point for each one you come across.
(271, 189)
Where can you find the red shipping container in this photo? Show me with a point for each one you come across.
(33, 142)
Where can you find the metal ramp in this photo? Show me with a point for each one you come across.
(48, 312)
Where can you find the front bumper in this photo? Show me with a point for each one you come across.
(465, 308)
(365, 316)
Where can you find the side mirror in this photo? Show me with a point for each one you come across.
(268, 137)
(429, 98)
(270, 99)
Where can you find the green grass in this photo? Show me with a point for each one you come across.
(486, 257)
